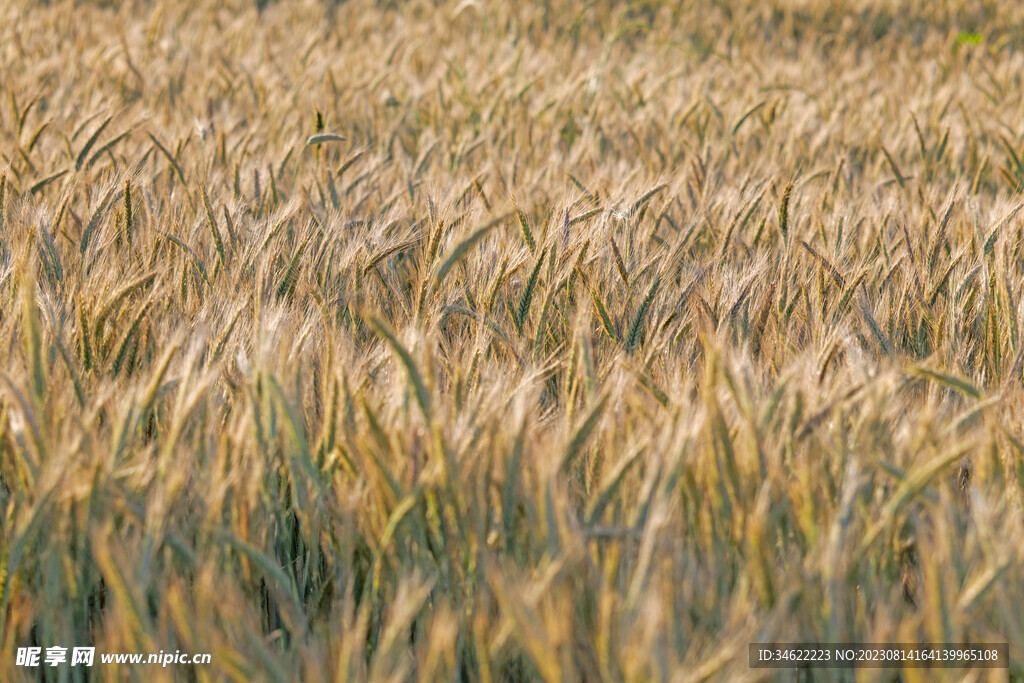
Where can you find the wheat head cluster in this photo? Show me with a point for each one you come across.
(439, 340)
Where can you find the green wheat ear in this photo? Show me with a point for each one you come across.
(211, 221)
(620, 265)
(3, 201)
(637, 326)
(33, 335)
(128, 216)
(524, 301)
(527, 234)
(784, 211)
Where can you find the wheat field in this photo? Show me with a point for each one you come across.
(509, 341)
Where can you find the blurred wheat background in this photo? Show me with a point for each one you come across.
(509, 341)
